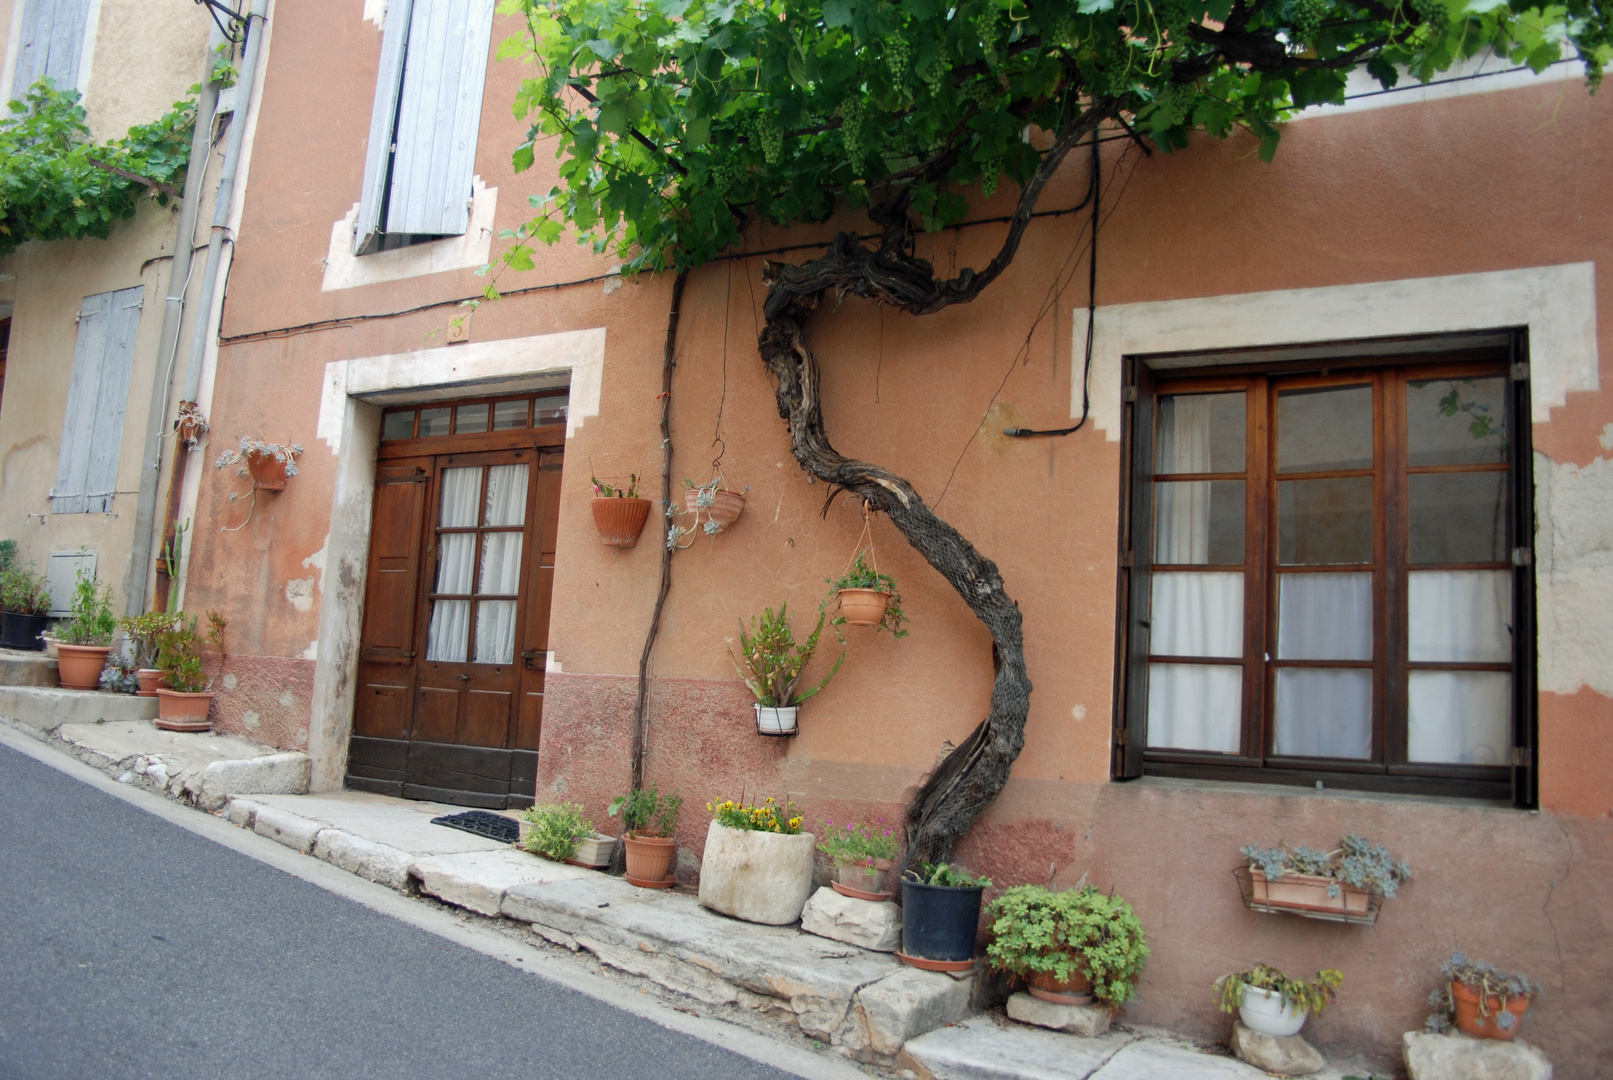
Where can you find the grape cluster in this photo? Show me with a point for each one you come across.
(934, 75)
(851, 129)
(770, 134)
(1432, 12)
(1307, 16)
(1064, 30)
(990, 170)
(1173, 101)
(987, 26)
(897, 53)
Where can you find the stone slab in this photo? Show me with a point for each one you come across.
(902, 1006)
(1460, 1057)
(48, 708)
(979, 1050)
(19, 667)
(268, 774)
(398, 823)
(242, 812)
(1280, 1055)
(286, 828)
(177, 761)
(377, 862)
(867, 924)
(1087, 1021)
(478, 879)
(1150, 1059)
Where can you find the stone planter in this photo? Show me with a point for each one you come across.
(594, 852)
(1265, 1012)
(79, 666)
(760, 877)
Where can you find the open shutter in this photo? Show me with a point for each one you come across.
(1136, 549)
(97, 399)
(1525, 692)
(52, 42)
(383, 122)
(439, 112)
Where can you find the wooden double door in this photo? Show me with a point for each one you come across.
(456, 623)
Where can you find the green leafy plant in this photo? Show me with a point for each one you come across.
(144, 632)
(555, 830)
(946, 876)
(857, 841)
(774, 663)
(1309, 996)
(1356, 862)
(1038, 931)
(8, 554)
(861, 576)
(769, 816)
(90, 620)
(180, 648)
(646, 812)
(1484, 979)
(603, 490)
(24, 592)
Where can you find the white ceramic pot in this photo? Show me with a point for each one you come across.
(761, 877)
(771, 721)
(1265, 1012)
(596, 850)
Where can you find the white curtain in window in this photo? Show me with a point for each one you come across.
(1197, 614)
(506, 495)
(1182, 532)
(1461, 717)
(1195, 706)
(448, 637)
(1324, 712)
(1460, 615)
(501, 564)
(450, 630)
(460, 490)
(1324, 617)
(495, 631)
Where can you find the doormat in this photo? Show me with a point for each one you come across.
(482, 823)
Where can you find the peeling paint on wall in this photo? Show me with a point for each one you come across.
(1574, 573)
(316, 561)
(300, 591)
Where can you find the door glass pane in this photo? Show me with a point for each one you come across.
(1461, 616)
(450, 630)
(1324, 617)
(550, 410)
(1456, 422)
(501, 564)
(461, 488)
(434, 422)
(1200, 433)
(506, 495)
(1324, 522)
(509, 414)
(1197, 614)
(1461, 717)
(397, 425)
(495, 631)
(470, 419)
(1458, 517)
(1198, 521)
(456, 553)
(1324, 712)
(1195, 706)
(1324, 429)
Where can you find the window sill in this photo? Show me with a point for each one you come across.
(1272, 791)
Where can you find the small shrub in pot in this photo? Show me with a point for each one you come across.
(1271, 1003)
(1060, 939)
(650, 821)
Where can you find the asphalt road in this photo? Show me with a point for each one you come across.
(130, 947)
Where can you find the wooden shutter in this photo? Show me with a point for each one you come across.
(1525, 691)
(383, 121)
(439, 111)
(52, 42)
(1136, 549)
(97, 399)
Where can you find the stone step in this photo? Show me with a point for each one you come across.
(204, 768)
(22, 668)
(48, 708)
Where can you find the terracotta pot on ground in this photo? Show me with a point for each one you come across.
(761, 877)
(865, 876)
(268, 471)
(620, 521)
(649, 858)
(178, 711)
(79, 666)
(151, 681)
(1076, 990)
(725, 508)
(1266, 1012)
(1306, 892)
(863, 607)
(1468, 1021)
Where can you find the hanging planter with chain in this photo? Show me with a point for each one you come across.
(865, 596)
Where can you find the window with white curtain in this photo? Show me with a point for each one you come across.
(474, 597)
(1323, 572)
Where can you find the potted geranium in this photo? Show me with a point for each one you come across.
(868, 598)
(269, 464)
(862, 855)
(649, 819)
(143, 633)
(940, 917)
(1270, 1003)
(25, 598)
(1070, 947)
(564, 832)
(1481, 1000)
(773, 666)
(619, 513)
(85, 637)
(1338, 882)
(184, 704)
(757, 864)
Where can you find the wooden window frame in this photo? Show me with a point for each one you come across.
(510, 439)
(1387, 770)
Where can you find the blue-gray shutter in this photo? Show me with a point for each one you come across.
(52, 42)
(383, 120)
(97, 398)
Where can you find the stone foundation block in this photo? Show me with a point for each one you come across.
(899, 1007)
(1087, 1021)
(868, 924)
(241, 812)
(285, 828)
(271, 774)
(1284, 1055)
(1459, 1057)
(380, 863)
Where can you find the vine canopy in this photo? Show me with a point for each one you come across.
(676, 121)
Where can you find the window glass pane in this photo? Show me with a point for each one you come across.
(1198, 521)
(1462, 717)
(1324, 522)
(501, 564)
(461, 488)
(1461, 616)
(397, 425)
(1195, 706)
(1200, 433)
(1324, 712)
(434, 422)
(1326, 428)
(455, 556)
(450, 631)
(1458, 517)
(495, 631)
(1197, 615)
(509, 414)
(1324, 617)
(550, 410)
(506, 495)
(1456, 421)
(470, 419)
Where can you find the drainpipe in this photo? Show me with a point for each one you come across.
(173, 314)
(202, 323)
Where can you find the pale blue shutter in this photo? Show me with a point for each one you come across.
(97, 398)
(383, 120)
(51, 42)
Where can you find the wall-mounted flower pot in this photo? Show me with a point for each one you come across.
(863, 607)
(940, 923)
(1265, 1012)
(178, 711)
(1076, 990)
(1469, 1022)
(649, 860)
(761, 877)
(150, 680)
(771, 721)
(18, 631)
(1304, 892)
(725, 508)
(620, 521)
(79, 666)
(268, 471)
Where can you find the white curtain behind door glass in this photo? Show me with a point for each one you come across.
(1461, 616)
(1463, 717)
(1324, 616)
(448, 637)
(1324, 712)
(1197, 614)
(1195, 706)
(501, 564)
(506, 495)
(1182, 531)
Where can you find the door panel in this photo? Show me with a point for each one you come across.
(485, 718)
(384, 710)
(436, 716)
(540, 592)
(384, 707)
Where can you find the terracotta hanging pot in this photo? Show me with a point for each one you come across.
(863, 607)
(1469, 1022)
(268, 471)
(151, 681)
(79, 666)
(620, 520)
(725, 508)
(178, 711)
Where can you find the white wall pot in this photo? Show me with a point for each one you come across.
(1265, 1012)
(771, 721)
(760, 877)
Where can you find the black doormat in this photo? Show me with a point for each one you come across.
(482, 823)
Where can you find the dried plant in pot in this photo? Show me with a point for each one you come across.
(772, 664)
(185, 703)
(1068, 946)
(84, 638)
(619, 513)
(1271, 1003)
(25, 598)
(863, 854)
(757, 865)
(1480, 1000)
(650, 821)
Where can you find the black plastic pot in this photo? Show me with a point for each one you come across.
(940, 923)
(22, 631)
